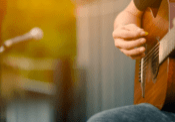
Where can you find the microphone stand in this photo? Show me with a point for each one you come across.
(36, 34)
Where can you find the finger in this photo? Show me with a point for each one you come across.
(133, 52)
(132, 27)
(126, 44)
(125, 34)
(138, 56)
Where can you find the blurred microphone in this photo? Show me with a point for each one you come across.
(35, 33)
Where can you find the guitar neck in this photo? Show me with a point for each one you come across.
(167, 45)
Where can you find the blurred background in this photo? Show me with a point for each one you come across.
(73, 72)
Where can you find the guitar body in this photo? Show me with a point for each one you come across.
(159, 90)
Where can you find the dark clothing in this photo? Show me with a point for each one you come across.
(134, 113)
(143, 4)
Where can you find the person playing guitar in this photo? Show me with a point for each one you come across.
(138, 30)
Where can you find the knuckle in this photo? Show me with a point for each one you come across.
(127, 54)
(137, 33)
(138, 51)
(121, 50)
(120, 27)
(132, 57)
(124, 35)
(134, 25)
(141, 41)
(117, 44)
(138, 42)
(128, 46)
(113, 34)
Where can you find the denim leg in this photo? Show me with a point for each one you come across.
(133, 113)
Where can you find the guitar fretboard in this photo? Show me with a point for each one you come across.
(167, 45)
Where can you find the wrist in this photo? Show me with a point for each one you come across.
(125, 18)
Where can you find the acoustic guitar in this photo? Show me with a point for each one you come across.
(155, 73)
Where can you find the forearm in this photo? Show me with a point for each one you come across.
(125, 18)
(130, 15)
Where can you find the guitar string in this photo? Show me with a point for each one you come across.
(153, 47)
(146, 63)
(149, 54)
(156, 51)
(147, 57)
(156, 54)
(157, 43)
(156, 47)
(152, 53)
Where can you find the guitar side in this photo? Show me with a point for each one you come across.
(159, 92)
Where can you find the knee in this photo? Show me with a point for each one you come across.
(105, 116)
(96, 118)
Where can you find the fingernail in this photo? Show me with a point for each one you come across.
(142, 49)
(146, 33)
(142, 40)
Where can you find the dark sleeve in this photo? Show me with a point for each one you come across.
(143, 4)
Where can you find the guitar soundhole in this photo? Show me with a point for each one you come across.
(154, 66)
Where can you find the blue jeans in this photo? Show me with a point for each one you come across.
(134, 113)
